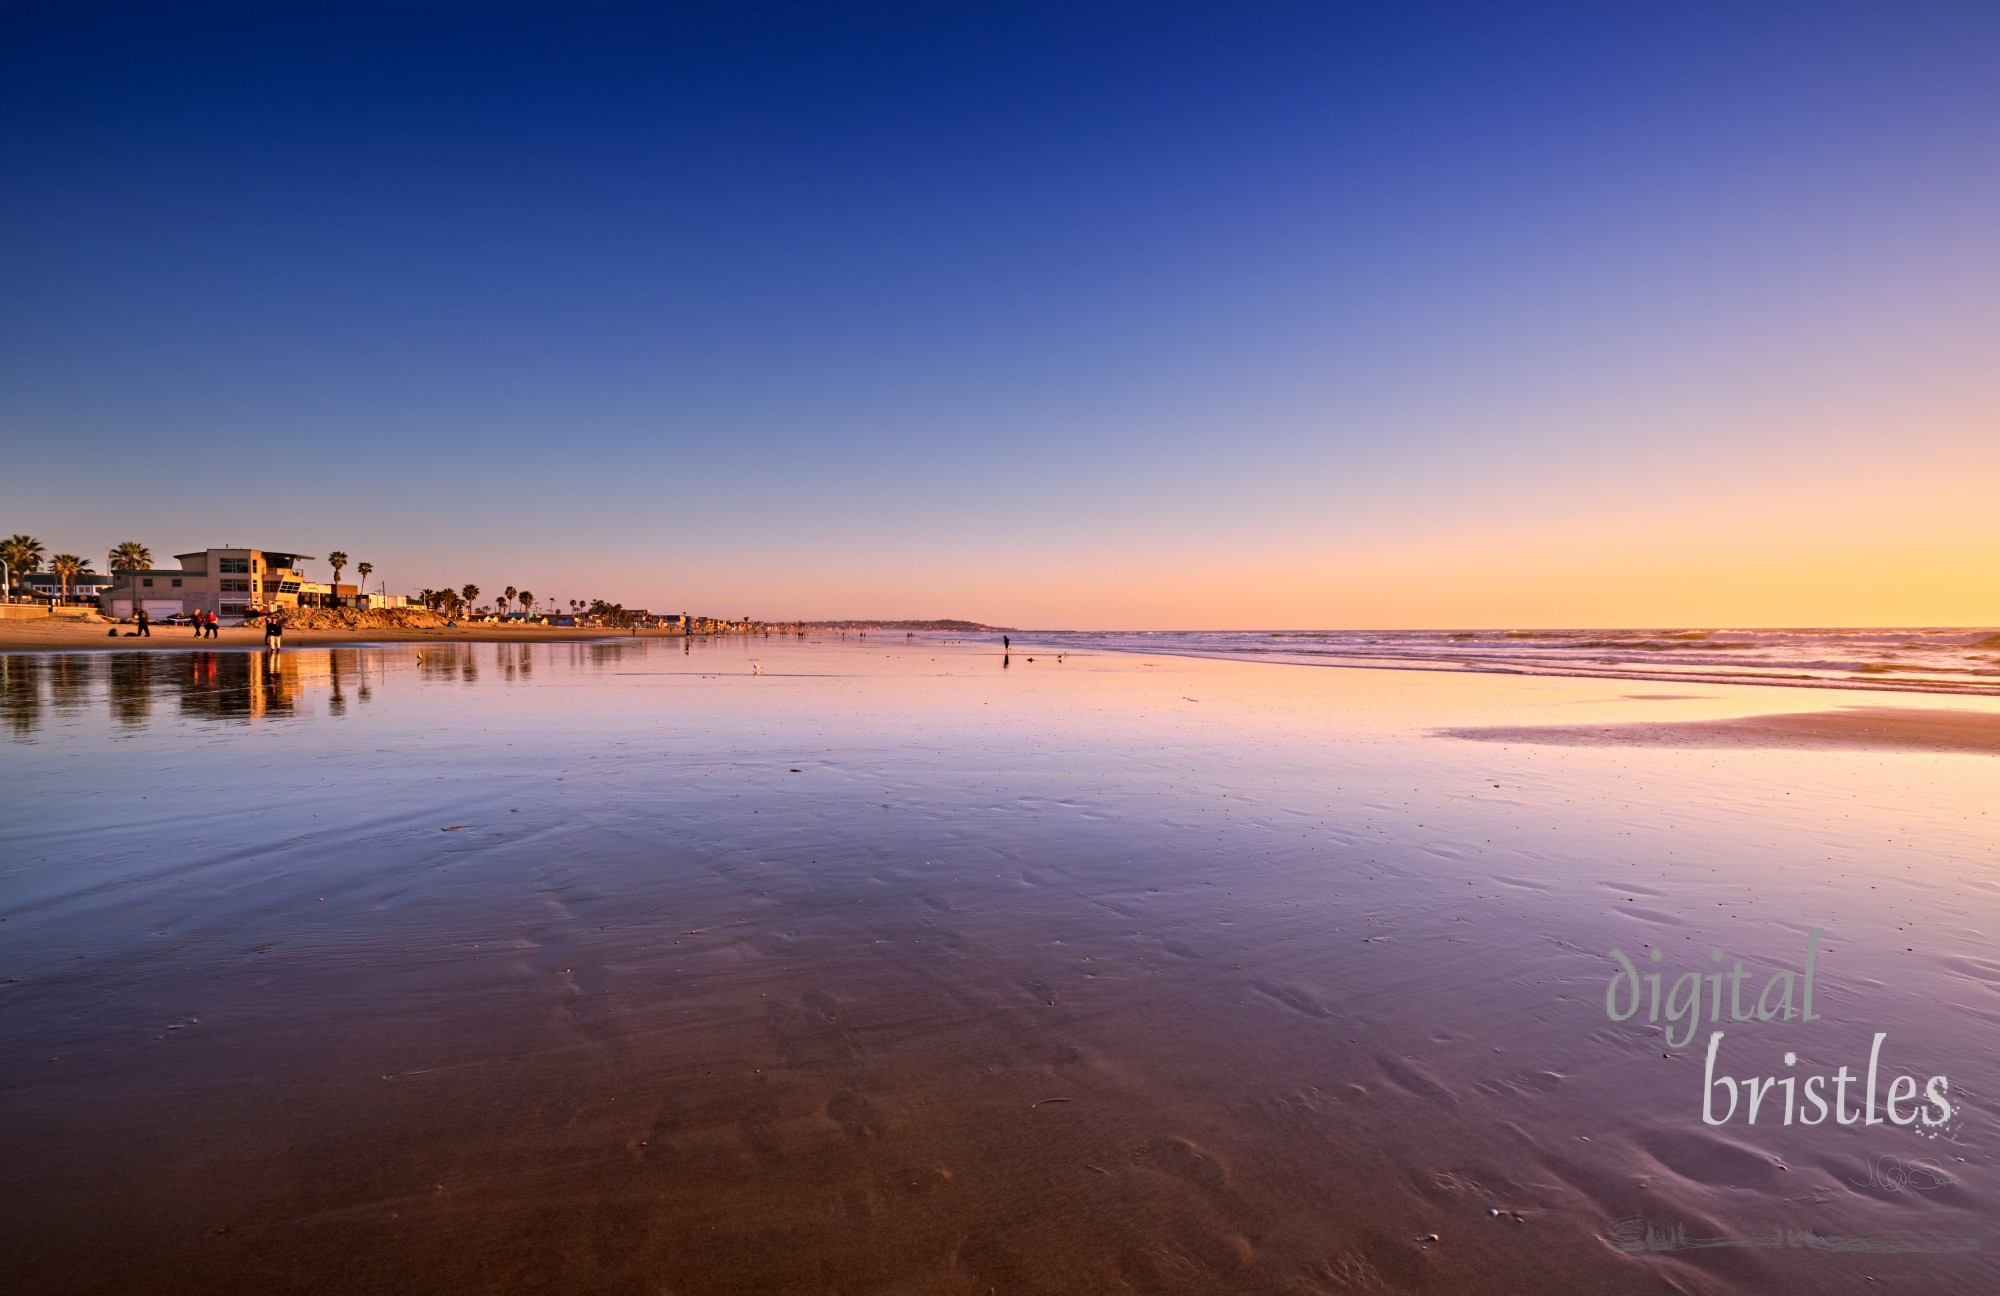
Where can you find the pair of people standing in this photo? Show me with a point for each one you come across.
(205, 625)
(274, 633)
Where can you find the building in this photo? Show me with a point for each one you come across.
(83, 587)
(232, 583)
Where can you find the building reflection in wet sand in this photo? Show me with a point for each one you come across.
(21, 693)
(232, 686)
(242, 685)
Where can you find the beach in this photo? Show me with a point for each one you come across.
(77, 634)
(831, 965)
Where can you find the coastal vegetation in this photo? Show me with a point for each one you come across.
(25, 554)
(22, 554)
(129, 555)
(67, 567)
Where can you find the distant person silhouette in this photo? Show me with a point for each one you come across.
(145, 630)
(1005, 644)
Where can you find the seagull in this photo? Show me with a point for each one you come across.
(756, 668)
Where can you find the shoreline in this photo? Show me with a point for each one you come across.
(74, 635)
(66, 635)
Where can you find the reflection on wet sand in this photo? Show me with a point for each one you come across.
(247, 685)
(20, 693)
(625, 967)
(253, 684)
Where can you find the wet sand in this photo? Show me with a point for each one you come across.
(1858, 728)
(609, 967)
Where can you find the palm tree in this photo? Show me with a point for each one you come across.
(336, 560)
(527, 600)
(471, 592)
(67, 568)
(364, 571)
(506, 597)
(22, 554)
(129, 556)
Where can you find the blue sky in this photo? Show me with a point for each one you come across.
(1058, 315)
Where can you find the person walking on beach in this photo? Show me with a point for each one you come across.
(274, 633)
(145, 630)
(200, 625)
(1006, 644)
(214, 626)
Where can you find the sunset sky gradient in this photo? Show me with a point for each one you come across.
(1187, 316)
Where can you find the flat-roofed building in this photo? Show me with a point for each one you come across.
(232, 583)
(83, 587)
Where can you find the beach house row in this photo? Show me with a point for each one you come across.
(232, 583)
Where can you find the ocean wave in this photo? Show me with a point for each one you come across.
(1896, 659)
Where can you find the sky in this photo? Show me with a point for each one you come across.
(1047, 315)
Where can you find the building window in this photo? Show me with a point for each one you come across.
(235, 586)
(234, 609)
(241, 565)
(177, 582)
(147, 581)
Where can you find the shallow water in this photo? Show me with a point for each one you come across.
(615, 967)
(1950, 660)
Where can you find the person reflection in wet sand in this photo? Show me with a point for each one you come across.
(336, 704)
